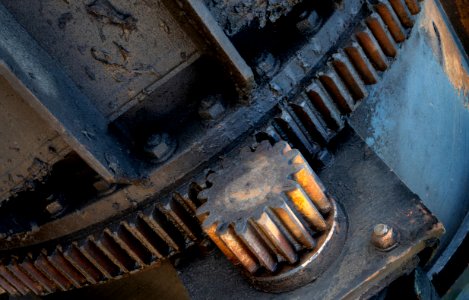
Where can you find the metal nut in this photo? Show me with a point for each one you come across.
(160, 147)
(383, 237)
(310, 24)
(54, 208)
(211, 108)
(267, 65)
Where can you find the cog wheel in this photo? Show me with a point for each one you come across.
(268, 213)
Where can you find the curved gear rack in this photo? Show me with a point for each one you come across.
(140, 240)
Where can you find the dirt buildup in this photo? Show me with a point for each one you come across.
(235, 15)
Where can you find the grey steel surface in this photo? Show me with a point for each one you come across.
(417, 118)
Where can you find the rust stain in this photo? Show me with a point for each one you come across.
(452, 58)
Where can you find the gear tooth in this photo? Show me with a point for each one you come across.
(58, 260)
(282, 147)
(7, 286)
(76, 258)
(381, 34)
(296, 228)
(25, 278)
(14, 281)
(372, 49)
(29, 267)
(92, 253)
(413, 6)
(113, 251)
(235, 249)
(44, 265)
(313, 187)
(250, 236)
(307, 209)
(391, 20)
(402, 12)
(280, 242)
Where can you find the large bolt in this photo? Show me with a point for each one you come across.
(267, 65)
(55, 207)
(211, 107)
(383, 237)
(160, 147)
(310, 24)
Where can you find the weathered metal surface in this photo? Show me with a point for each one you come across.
(44, 85)
(270, 215)
(370, 193)
(234, 16)
(459, 16)
(29, 146)
(196, 14)
(417, 117)
(124, 46)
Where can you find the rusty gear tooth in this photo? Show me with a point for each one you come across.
(402, 12)
(82, 264)
(253, 239)
(43, 265)
(296, 228)
(92, 253)
(234, 248)
(391, 20)
(372, 49)
(160, 231)
(350, 77)
(324, 104)
(336, 89)
(281, 147)
(381, 34)
(112, 250)
(136, 242)
(307, 209)
(129, 244)
(310, 183)
(361, 63)
(312, 120)
(33, 272)
(14, 281)
(67, 270)
(413, 6)
(22, 275)
(276, 236)
(7, 286)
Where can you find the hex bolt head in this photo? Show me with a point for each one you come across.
(211, 108)
(384, 237)
(160, 147)
(310, 24)
(267, 65)
(54, 208)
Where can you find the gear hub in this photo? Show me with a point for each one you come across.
(270, 215)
